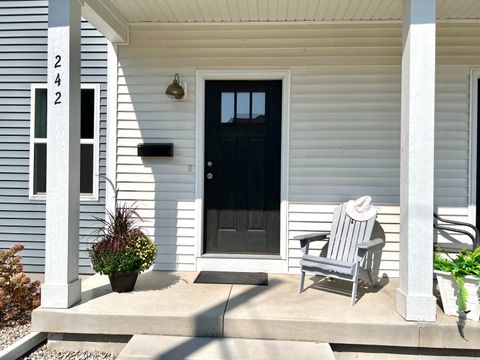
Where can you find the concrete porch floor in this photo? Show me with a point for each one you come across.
(169, 303)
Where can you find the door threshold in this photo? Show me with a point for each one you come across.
(241, 256)
(242, 263)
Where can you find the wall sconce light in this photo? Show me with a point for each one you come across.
(175, 90)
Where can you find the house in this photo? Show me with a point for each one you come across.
(23, 66)
(291, 107)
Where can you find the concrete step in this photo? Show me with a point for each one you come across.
(207, 348)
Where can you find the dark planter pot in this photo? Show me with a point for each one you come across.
(123, 282)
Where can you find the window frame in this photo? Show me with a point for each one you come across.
(94, 196)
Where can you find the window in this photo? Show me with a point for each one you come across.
(89, 147)
(243, 107)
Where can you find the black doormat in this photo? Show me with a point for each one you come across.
(228, 277)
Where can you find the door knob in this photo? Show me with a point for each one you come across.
(209, 176)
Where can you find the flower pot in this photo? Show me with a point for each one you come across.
(123, 282)
(449, 290)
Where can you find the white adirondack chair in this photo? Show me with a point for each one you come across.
(348, 243)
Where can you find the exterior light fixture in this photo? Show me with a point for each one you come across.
(175, 90)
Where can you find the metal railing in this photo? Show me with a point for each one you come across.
(475, 238)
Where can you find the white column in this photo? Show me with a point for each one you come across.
(62, 285)
(414, 296)
(111, 163)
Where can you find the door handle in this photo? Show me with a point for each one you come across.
(209, 176)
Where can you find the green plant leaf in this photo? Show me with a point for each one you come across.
(464, 264)
(462, 294)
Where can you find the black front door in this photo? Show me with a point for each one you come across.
(242, 167)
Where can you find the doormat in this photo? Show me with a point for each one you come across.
(228, 277)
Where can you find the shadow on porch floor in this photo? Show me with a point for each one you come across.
(169, 303)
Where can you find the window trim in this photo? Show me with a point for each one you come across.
(94, 196)
(31, 170)
(474, 142)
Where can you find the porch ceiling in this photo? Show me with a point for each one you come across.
(144, 11)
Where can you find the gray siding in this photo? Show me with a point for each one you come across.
(23, 61)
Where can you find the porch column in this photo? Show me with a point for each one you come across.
(62, 285)
(414, 296)
(111, 161)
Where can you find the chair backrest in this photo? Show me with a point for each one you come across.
(346, 234)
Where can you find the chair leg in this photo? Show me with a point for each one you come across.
(302, 280)
(373, 282)
(354, 291)
(355, 285)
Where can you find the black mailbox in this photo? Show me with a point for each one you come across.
(163, 149)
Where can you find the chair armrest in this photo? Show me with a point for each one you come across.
(370, 244)
(305, 240)
(312, 237)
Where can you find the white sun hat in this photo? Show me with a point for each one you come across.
(361, 209)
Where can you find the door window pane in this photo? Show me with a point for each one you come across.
(243, 105)
(228, 107)
(87, 114)
(41, 113)
(40, 168)
(86, 168)
(258, 106)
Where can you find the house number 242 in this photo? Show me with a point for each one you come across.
(58, 80)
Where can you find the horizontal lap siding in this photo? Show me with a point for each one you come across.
(345, 140)
(344, 143)
(163, 188)
(23, 61)
(344, 122)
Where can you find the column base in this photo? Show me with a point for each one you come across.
(61, 296)
(416, 307)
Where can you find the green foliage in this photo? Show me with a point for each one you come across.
(18, 295)
(466, 263)
(462, 295)
(122, 247)
(137, 255)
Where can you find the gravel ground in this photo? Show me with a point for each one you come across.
(10, 334)
(43, 353)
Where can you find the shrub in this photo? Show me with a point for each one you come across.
(18, 295)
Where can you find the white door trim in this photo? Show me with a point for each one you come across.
(254, 263)
(472, 179)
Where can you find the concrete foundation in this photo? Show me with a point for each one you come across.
(88, 342)
(168, 303)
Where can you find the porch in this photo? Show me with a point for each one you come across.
(169, 303)
(362, 85)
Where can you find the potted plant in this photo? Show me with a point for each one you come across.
(458, 281)
(122, 250)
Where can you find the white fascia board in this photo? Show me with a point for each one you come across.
(107, 19)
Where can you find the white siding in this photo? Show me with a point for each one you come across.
(23, 61)
(345, 121)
